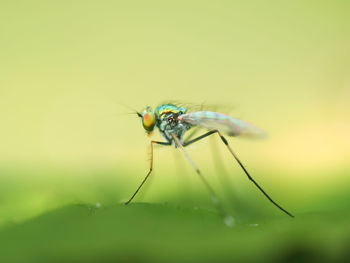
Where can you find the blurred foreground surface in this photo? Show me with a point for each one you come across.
(48, 219)
(163, 233)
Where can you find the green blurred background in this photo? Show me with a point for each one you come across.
(70, 153)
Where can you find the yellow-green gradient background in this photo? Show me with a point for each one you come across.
(67, 66)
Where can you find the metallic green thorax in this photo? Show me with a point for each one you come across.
(167, 122)
(168, 108)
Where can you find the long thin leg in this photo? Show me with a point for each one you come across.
(239, 162)
(150, 169)
(227, 218)
(199, 138)
(193, 132)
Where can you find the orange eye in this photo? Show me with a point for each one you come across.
(148, 121)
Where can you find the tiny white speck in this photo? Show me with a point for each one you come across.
(254, 225)
(229, 221)
(98, 205)
(215, 200)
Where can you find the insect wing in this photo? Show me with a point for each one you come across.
(223, 123)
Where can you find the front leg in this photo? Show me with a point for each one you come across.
(150, 169)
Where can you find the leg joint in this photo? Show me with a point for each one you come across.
(223, 139)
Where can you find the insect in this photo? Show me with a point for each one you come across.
(174, 121)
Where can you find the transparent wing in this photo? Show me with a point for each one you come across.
(223, 123)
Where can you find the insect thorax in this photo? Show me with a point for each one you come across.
(167, 121)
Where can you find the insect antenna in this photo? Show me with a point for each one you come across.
(133, 111)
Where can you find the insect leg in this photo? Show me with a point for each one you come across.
(227, 218)
(240, 164)
(193, 132)
(150, 169)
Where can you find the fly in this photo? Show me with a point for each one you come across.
(173, 122)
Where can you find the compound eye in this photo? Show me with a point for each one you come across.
(148, 121)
